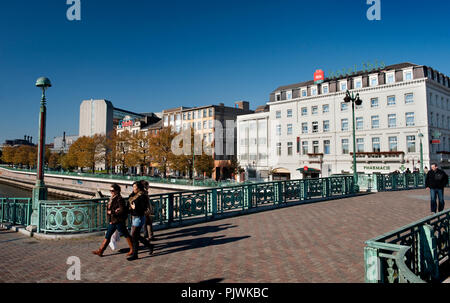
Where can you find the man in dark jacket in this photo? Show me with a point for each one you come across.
(436, 180)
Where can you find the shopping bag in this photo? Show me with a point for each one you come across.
(114, 240)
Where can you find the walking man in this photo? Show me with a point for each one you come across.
(436, 180)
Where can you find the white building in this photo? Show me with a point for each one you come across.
(310, 124)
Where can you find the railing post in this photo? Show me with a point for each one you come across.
(13, 216)
(279, 193)
(371, 265)
(169, 209)
(394, 181)
(428, 254)
(29, 209)
(39, 216)
(248, 195)
(3, 208)
(213, 200)
(416, 181)
(305, 189)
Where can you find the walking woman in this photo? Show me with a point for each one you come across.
(138, 204)
(117, 215)
(149, 213)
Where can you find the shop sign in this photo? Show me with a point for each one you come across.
(125, 123)
(374, 167)
(351, 71)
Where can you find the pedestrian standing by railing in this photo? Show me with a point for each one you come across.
(117, 215)
(149, 213)
(436, 180)
(138, 201)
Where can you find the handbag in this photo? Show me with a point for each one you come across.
(114, 240)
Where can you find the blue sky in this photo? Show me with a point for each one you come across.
(146, 55)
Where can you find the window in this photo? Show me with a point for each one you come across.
(431, 119)
(359, 123)
(184, 116)
(199, 125)
(194, 114)
(315, 127)
(326, 147)
(325, 89)
(304, 93)
(313, 91)
(289, 95)
(289, 129)
(304, 128)
(345, 149)
(343, 85)
(344, 106)
(304, 147)
(375, 121)
(392, 121)
(344, 124)
(409, 98)
(278, 97)
(278, 149)
(278, 114)
(304, 111)
(411, 144)
(374, 102)
(210, 112)
(360, 145)
(289, 148)
(358, 83)
(315, 110)
(205, 113)
(373, 80)
(410, 119)
(376, 145)
(393, 144)
(390, 78)
(391, 100)
(210, 124)
(326, 126)
(325, 108)
(289, 113)
(279, 130)
(407, 75)
(199, 114)
(189, 115)
(315, 147)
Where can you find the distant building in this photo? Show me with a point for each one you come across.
(63, 143)
(100, 117)
(27, 140)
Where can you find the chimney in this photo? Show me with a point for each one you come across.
(245, 105)
(25, 137)
(31, 139)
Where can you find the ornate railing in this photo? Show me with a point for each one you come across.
(15, 210)
(399, 181)
(90, 215)
(412, 253)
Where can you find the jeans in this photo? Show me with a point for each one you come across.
(440, 193)
(118, 226)
(138, 221)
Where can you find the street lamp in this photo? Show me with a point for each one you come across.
(40, 190)
(355, 100)
(421, 152)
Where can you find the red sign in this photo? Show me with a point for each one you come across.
(127, 123)
(319, 76)
(435, 141)
(305, 168)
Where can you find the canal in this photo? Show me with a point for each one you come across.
(10, 191)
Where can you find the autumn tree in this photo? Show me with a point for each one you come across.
(204, 164)
(120, 146)
(160, 146)
(8, 155)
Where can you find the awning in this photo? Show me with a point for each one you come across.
(281, 171)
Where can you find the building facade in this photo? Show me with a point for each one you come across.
(311, 126)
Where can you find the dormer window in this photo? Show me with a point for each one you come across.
(278, 97)
(314, 91)
(373, 80)
(429, 73)
(325, 89)
(289, 95)
(407, 75)
(390, 78)
(357, 83)
(343, 85)
(304, 93)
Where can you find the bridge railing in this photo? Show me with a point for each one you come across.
(411, 254)
(90, 215)
(15, 210)
(388, 182)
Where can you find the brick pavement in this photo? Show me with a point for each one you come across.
(320, 242)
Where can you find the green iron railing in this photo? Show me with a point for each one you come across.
(90, 215)
(411, 254)
(399, 181)
(15, 210)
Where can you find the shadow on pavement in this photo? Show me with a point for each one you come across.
(182, 245)
(193, 231)
(215, 280)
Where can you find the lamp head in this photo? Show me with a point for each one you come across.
(347, 97)
(43, 83)
(358, 101)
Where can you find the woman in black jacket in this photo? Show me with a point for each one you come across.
(117, 215)
(138, 201)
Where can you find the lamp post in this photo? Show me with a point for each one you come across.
(355, 100)
(421, 152)
(40, 190)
